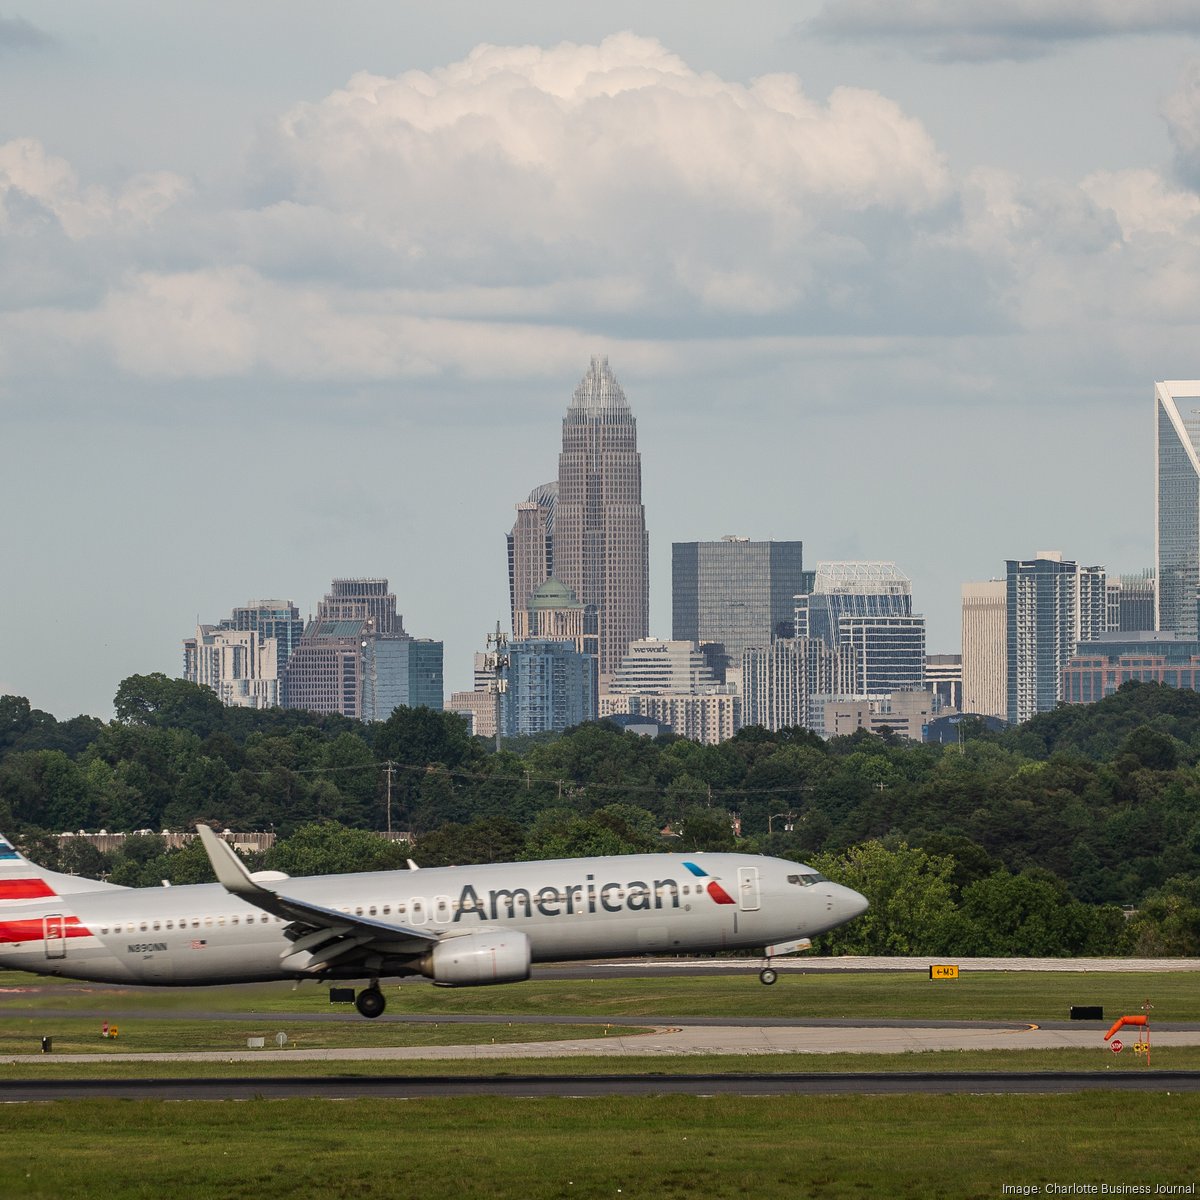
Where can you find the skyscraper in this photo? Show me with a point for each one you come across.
(356, 659)
(243, 657)
(868, 606)
(601, 550)
(1177, 505)
(984, 662)
(1052, 604)
(531, 548)
(735, 591)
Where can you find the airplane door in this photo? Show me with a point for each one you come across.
(54, 931)
(748, 893)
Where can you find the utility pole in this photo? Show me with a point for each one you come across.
(389, 799)
(497, 662)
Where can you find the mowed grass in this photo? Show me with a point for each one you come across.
(272, 1065)
(662, 1147)
(157, 1035)
(975, 996)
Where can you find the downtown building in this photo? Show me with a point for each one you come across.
(867, 607)
(356, 659)
(672, 682)
(1098, 668)
(1177, 506)
(587, 528)
(785, 683)
(984, 648)
(1052, 604)
(242, 658)
(550, 686)
(736, 593)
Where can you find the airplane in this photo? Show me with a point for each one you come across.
(458, 926)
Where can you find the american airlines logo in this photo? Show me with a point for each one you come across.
(636, 895)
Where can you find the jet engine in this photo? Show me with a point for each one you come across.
(490, 956)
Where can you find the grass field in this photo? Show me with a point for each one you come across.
(661, 1147)
(977, 995)
(670, 1146)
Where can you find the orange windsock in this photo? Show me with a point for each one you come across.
(1136, 1019)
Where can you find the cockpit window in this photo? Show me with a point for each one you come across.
(807, 879)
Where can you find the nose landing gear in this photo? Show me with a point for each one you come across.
(768, 975)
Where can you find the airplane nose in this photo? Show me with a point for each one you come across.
(849, 903)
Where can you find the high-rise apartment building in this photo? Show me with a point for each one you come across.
(1052, 605)
(242, 658)
(551, 687)
(984, 656)
(735, 592)
(1177, 505)
(601, 549)
(780, 681)
(944, 678)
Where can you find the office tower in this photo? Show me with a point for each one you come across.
(356, 659)
(242, 658)
(531, 547)
(551, 687)
(671, 682)
(851, 589)
(944, 677)
(601, 550)
(735, 591)
(780, 681)
(1177, 505)
(1098, 668)
(867, 606)
(984, 655)
(1052, 604)
(1130, 603)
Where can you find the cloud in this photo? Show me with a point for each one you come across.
(507, 215)
(965, 30)
(18, 35)
(1181, 111)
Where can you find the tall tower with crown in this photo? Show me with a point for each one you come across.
(601, 550)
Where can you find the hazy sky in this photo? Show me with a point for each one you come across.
(293, 290)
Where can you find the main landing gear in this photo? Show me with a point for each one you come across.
(370, 1001)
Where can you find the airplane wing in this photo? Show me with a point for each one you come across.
(320, 935)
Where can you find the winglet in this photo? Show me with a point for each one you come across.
(231, 872)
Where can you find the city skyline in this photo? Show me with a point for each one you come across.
(275, 318)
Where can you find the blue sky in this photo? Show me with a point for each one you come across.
(294, 291)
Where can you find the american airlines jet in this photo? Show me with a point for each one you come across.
(459, 926)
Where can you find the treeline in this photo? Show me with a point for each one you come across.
(1030, 838)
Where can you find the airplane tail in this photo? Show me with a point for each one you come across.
(22, 880)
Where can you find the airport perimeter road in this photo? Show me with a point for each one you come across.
(582, 1086)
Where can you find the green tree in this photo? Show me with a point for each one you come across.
(327, 848)
(912, 908)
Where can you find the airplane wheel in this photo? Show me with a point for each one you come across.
(370, 1002)
(767, 976)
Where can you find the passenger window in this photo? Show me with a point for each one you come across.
(208, 922)
(233, 920)
(371, 910)
(157, 925)
(143, 927)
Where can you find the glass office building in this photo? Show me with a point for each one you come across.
(1177, 505)
(735, 591)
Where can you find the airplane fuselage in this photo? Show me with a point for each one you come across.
(567, 909)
